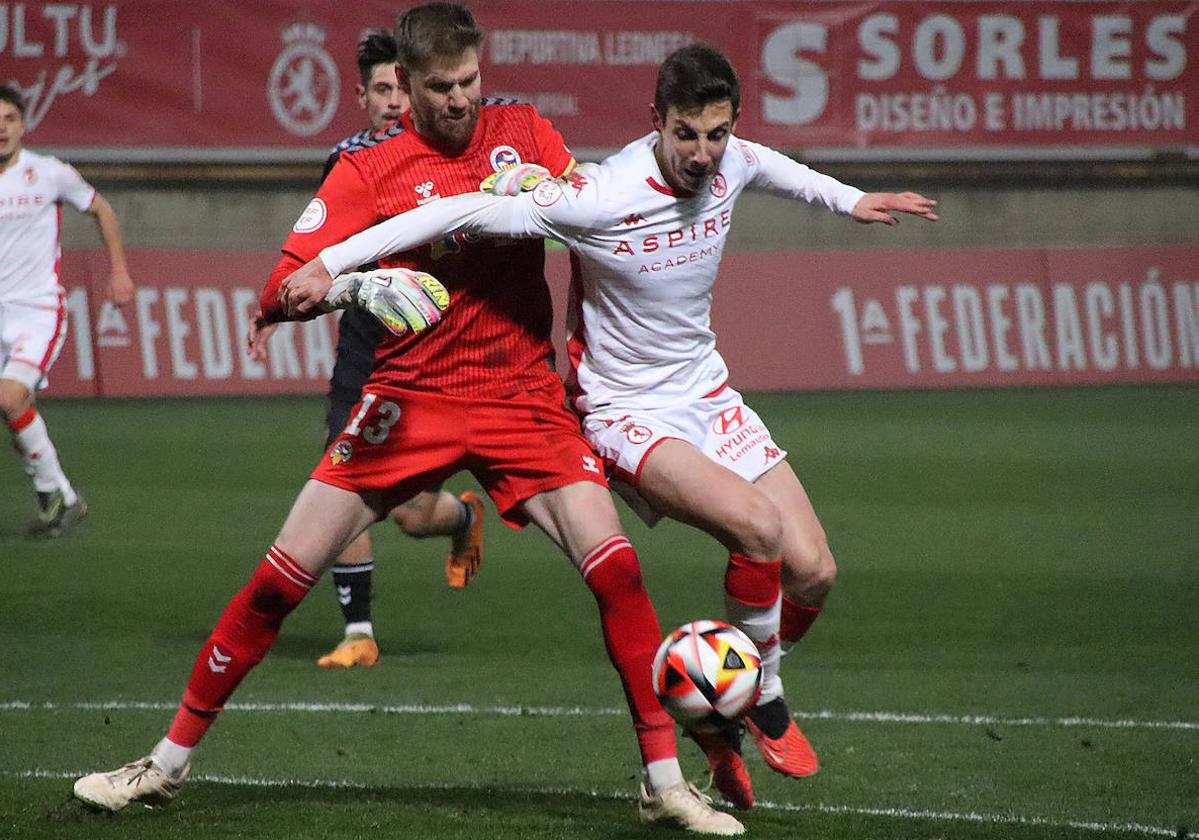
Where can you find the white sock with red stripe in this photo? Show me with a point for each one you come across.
(32, 442)
(244, 633)
(753, 602)
(632, 635)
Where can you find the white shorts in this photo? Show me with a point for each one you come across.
(31, 337)
(721, 426)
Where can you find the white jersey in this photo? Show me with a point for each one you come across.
(644, 261)
(32, 190)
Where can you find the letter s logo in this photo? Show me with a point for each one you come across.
(807, 81)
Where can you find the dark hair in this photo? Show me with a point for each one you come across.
(435, 29)
(375, 47)
(694, 76)
(11, 95)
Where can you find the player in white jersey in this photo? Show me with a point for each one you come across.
(33, 320)
(646, 229)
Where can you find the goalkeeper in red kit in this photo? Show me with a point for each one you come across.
(474, 390)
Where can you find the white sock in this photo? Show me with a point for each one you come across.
(364, 627)
(761, 624)
(170, 757)
(661, 774)
(41, 459)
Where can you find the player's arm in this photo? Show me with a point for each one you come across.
(552, 209)
(344, 205)
(484, 214)
(120, 284)
(778, 174)
(72, 189)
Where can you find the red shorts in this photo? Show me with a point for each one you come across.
(400, 442)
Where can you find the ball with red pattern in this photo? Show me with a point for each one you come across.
(707, 674)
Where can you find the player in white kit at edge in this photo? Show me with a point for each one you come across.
(33, 319)
(646, 229)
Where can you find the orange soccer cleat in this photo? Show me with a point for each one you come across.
(790, 753)
(466, 548)
(355, 649)
(725, 765)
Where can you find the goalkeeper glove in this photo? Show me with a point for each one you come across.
(404, 300)
(515, 180)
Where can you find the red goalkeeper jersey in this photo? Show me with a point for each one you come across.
(494, 339)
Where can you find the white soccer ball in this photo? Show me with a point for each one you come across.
(707, 674)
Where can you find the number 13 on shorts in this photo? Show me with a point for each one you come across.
(376, 428)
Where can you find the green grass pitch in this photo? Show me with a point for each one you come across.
(1012, 650)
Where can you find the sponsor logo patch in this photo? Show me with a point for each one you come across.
(312, 218)
(728, 421)
(504, 157)
(427, 192)
(579, 182)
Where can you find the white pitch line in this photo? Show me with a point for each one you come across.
(584, 711)
(819, 808)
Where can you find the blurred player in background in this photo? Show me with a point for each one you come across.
(33, 319)
(477, 391)
(428, 514)
(646, 229)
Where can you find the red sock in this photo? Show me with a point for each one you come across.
(752, 582)
(632, 636)
(795, 621)
(245, 632)
(24, 420)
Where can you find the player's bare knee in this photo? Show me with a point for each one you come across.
(14, 399)
(809, 571)
(758, 529)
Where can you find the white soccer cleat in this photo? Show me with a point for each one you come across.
(140, 781)
(683, 806)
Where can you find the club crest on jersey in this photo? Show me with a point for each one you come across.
(719, 187)
(341, 453)
(312, 218)
(504, 157)
(636, 434)
(427, 192)
(30, 177)
(547, 193)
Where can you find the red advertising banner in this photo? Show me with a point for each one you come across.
(184, 333)
(215, 79)
(831, 320)
(959, 318)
